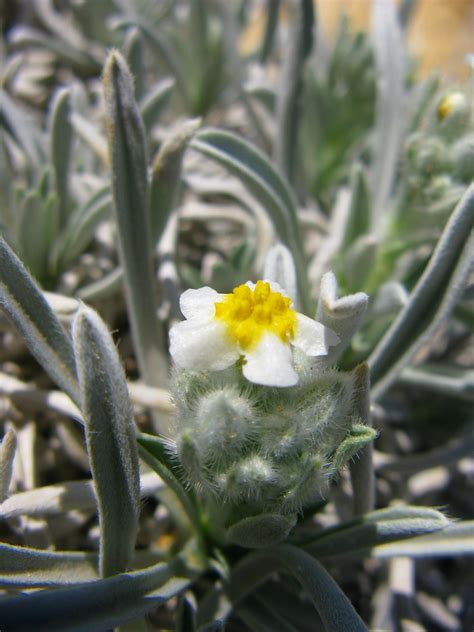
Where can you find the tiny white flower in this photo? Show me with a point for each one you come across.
(256, 322)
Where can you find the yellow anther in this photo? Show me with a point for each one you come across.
(250, 313)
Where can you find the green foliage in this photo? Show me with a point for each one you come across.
(321, 156)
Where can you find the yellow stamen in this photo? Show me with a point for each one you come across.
(248, 314)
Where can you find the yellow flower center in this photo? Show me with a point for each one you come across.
(250, 313)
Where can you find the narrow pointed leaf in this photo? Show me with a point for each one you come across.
(166, 176)
(359, 537)
(130, 192)
(157, 455)
(63, 497)
(256, 172)
(272, 10)
(155, 102)
(80, 228)
(431, 301)
(390, 59)
(21, 128)
(24, 303)
(288, 109)
(99, 605)
(60, 148)
(334, 608)
(23, 566)
(361, 467)
(110, 434)
(457, 539)
(358, 220)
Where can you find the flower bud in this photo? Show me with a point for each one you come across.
(250, 478)
(225, 422)
(463, 159)
(454, 113)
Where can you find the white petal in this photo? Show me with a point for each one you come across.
(199, 304)
(202, 346)
(312, 337)
(270, 363)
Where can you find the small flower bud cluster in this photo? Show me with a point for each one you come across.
(439, 159)
(250, 450)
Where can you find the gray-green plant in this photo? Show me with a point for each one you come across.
(244, 470)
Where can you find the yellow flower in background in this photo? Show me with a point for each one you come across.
(255, 322)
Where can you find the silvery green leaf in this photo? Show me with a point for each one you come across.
(280, 267)
(159, 455)
(254, 169)
(101, 604)
(166, 175)
(452, 452)
(80, 228)
(390, 298)
(23, 566)
(20, 127)
(390, 60)
(131, 204)
(449, 379)
(63, 497)
(288, 106)
(423, 97)
(281, 597)
(261, 531)
(82, 60)
(456, 539)
(358, 219)
(90, 135)
(37, 228)
(7, 455)
(23, 394)
(24, 303)
(60, 147)
(359, 260)
(161, 47)
(133, 50)
(361, 468)
(272, 10)
(358, 437)
(105, 287)
(359, 537)
(431, 301)
(155, 100)
(110, 435)
(342, 315)
(261, 615)
(249, 164)
(331, 244)
(334, 608)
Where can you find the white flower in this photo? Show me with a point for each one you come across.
(256, 321)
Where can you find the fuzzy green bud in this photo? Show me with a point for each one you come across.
(453, 114)
(224, 423)
(463, 159)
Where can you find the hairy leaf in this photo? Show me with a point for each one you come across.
(110, 434)
(24, 303)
